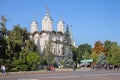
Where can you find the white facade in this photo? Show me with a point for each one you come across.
(34, 26)
(41, 38)
(60, 26)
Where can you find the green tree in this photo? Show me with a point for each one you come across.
(75, 55)
(101, 59)
(86, 55)
(107, 45)
(3, 36)
(3, 27)
(16, 47)
(66, 40)
(67, 50)
(114, 55)
(68, 59)
(84, 51)
(19, 65)
(48, 55)
(33, 60)
(94, 56)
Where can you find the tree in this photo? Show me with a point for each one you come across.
(107, 45)
(3, 27)
(86, 55)
(67, 50)
(101, 59)
(98, 47)
(84, 51)
(68, 59)
(15, 48)
(75, 55)
(114, 55)
(3, 32)
(94, 56)
(48, 56)
(66, 40)
(19, 65)
(33, 60)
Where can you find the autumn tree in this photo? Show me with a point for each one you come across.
(98, 47)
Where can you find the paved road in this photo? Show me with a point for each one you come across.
(65, 75)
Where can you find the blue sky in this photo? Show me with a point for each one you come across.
(91, 20)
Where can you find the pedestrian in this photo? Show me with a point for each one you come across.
(3, 69)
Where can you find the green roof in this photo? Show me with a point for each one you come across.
(86, 61)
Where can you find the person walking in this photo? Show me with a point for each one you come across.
(3, 69)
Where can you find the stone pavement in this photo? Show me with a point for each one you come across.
(43, 71)
(57, 70)
(64, 75)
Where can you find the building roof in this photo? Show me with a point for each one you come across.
(43, 31)
(61, 21)
(86, 61)
(34, 22)
(47, 17)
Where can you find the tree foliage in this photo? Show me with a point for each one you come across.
(75, 54)
(33, 60)
(101, 59)
(84, 51)
(107, 45)
(68, 59)
(15, 47)
(94, 56)
(67, 49)
(114, 55)
(48, 55)
(98, 47)
(66, 40)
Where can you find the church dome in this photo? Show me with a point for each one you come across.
(47, 18)
(34, 22)
(61, 21)
(47, 22)
(34, 26)
(60, 26)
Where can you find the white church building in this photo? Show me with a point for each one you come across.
(47, 33)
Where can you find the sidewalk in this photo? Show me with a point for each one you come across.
(23, 72)
(42, 71)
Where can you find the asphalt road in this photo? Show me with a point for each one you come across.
(65, 75)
